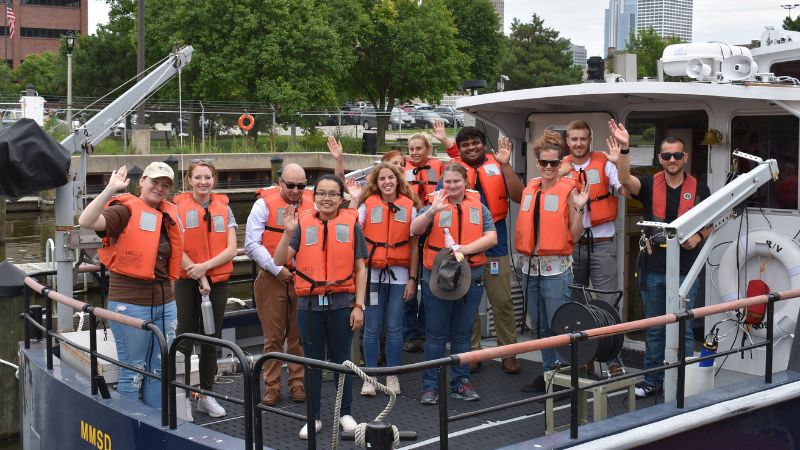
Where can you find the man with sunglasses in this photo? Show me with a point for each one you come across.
(493, 177)
(596, 251)
(273, 289)
(666, 196)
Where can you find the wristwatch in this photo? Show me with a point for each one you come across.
(361, 305)
(625, 151)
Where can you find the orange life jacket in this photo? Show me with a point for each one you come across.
(688, 196)
(465, 222)
(133, 253)
(273, 229)
(205, 232)
(493, 184)
(387, 229)
(324, 261)
(602, 203)
(552, 219)
(423, 179)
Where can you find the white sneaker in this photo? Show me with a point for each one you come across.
(393, 383)
(188, 416)
(304, 430)
(348, 423)
(210, 406)
(368, 390)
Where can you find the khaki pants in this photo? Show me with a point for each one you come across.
(276, 303)
(498, 290)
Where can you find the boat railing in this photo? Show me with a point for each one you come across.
(98, 384)
(252, 385)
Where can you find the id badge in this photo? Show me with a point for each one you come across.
(494, 268)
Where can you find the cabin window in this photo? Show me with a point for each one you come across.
(770, 137)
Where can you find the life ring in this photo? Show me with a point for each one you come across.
(250, 122)
(765, 243)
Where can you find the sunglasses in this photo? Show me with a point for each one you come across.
(291, 186)
(549, 162)
(677, 155)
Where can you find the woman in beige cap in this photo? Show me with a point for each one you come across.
(142, 247)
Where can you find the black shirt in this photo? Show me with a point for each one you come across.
(658, 260)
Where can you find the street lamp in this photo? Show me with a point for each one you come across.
(789, 8)
(69, 39)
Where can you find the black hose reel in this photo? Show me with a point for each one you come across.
(583, 315)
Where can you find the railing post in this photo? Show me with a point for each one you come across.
(92, 347)
(443, 394)
(681, 388)
(255, 393)
(48, 317)
(310, 417)
(574, 418)
(167, 402)
(771, 298)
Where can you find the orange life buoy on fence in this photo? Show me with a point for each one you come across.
(250, 122)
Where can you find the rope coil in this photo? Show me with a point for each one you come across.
(361, 429)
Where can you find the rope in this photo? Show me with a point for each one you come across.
(361, 429)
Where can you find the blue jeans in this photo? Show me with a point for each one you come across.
(318, 329)
(544, 296)
(654, 296)
(139, 348)
(449, 320)
(389, 311)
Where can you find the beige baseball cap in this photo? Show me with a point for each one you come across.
(158, 170)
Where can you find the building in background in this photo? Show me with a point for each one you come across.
(500, 9)
(667, 17)
(41, 25)
(578, 55)
(620, 23)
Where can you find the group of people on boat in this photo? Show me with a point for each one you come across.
(328, 268)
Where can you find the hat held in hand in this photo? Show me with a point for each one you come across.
(450, 278)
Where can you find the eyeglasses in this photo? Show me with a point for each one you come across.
(330, 195)
(549, 162)
(290, 186)
(677, 155)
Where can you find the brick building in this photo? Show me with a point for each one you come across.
(41, 25)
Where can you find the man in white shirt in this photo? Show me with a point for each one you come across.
(275, 297)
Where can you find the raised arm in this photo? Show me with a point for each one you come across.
(284, 253)
(513, 183)
(439, 131)
(92, 216)
(575, 204)
(618, 154)
(335, 147)
(420, 224)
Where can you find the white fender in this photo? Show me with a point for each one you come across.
(762, 243)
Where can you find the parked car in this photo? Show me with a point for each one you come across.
(369, 118)
(425, 118)
(422, 106)
(455, 116)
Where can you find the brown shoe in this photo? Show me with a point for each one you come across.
(297, 393)
(271, 396)
(511, 366)
(475, 367)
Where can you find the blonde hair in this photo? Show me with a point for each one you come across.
(457, 168)
(371, 187)
(550, 140)
(424, 139)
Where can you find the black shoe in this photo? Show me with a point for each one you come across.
(644, 390)
(537, 386)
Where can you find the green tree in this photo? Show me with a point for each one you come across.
(102, 62)
(481, 39)
(45, 71)
(403, 49)
(648, 47)
(7, 84)
(791, 24)
(538, 57)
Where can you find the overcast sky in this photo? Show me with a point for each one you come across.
(734, 22)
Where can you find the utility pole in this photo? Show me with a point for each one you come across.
(789, 8)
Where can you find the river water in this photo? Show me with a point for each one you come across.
(27, 234)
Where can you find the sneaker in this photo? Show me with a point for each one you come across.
(348, 423)
(465, 391)
(644, 390)
(210, 406)
(393, 383)
(188, 416)
(368, 390)
(538, 385)
(429, 398)
(304, 430)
